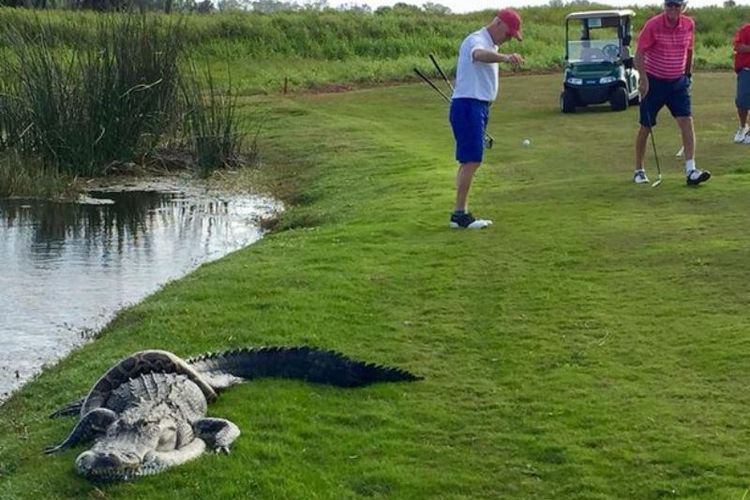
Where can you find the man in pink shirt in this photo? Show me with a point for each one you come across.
(664, 59)
(742, 68)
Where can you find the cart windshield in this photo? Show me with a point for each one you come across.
(594, 50)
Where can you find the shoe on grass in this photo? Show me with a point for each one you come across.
(741, 135)
(746, 140)
(639, 177)
(467, 221)
(696, 176)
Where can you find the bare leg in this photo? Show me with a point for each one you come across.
(688, 136)
(464, 176)
(742, 115)
(640, 145)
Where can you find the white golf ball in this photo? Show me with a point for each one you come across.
(526, 142)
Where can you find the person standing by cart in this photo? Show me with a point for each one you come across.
(742, 68)
(664, 58)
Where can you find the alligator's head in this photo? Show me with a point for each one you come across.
(142, 441)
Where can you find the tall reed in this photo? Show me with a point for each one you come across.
(83, 107)
(212, 126)
(25, 177)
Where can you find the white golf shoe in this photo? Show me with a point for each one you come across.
(467, 221)
(695, 177)
(639, 177)
(741, 135)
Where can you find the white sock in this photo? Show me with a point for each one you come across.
(689, 166)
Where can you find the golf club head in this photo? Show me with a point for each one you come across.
(488, 142)
(656, 182)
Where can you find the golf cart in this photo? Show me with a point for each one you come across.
(598, 63)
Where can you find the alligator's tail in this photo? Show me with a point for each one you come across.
(303, 363)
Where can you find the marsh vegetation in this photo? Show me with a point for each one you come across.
(129, 96)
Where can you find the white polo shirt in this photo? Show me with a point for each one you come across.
(474, 79)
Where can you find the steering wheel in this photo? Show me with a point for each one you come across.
(611, 51)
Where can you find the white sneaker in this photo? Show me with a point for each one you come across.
(467, 221)
(639, 177)
(741, 135)
(746, 140)
(696, 176)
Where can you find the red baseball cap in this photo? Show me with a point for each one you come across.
(513, 21)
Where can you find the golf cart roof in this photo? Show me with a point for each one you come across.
(593, 14)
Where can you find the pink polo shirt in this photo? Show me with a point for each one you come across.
(665, 48)
(742, 59)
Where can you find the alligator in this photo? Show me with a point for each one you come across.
(149, 411)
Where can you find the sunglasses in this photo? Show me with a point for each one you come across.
(673, 4)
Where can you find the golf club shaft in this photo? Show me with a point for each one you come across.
(429, 82)
(440, 70)
(653, 143)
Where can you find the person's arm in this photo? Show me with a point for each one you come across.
(491, 56)
(645, 41)
(689, 57)
(741, 42)
(639, 62)
(640, 65)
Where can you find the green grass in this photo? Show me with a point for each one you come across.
(591, 344)
(313, 48)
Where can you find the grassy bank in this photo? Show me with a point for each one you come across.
(590, 345)
(314, 48)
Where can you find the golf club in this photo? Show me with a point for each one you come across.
(489, 141)
(440, 70)
(656, 155)
(429, 82)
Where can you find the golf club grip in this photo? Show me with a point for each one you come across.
(440, 70)
(428, 82)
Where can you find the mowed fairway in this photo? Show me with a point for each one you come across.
(592, 344)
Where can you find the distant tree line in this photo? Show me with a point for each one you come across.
(207, 6)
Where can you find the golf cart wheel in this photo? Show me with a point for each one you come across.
(619, 99)
(567, 102)
(635, 100)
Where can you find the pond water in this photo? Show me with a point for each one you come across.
(66, 268)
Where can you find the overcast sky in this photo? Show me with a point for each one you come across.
(459, 6)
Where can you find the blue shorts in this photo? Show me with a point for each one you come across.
(743, 89)
(469, 119)
(675, 94)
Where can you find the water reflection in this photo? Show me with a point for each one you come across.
(65, 268)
